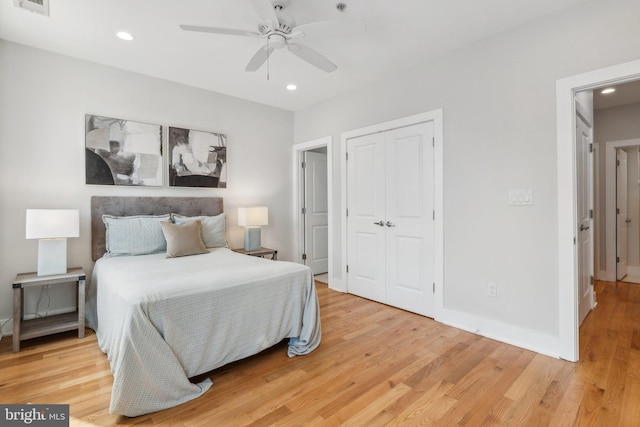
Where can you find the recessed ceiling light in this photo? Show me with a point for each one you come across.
(123, 35)
(292, 87)
(608, 90)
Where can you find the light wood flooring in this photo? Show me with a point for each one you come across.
(376, 366)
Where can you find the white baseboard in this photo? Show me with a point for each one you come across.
(7, 327)
(633, 270)
(510, 334)
(601, 275)
(337, 285)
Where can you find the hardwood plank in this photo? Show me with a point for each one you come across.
(630, 409)
(376, 366)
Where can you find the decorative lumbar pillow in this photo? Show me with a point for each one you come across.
(134, 235)
(183, 239)
(213, 230)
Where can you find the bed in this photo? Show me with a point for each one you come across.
(162, 321)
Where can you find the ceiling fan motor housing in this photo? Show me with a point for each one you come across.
(285, 23)
(277, 41)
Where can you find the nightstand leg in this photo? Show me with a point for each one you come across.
(17, 317)
(81, 291)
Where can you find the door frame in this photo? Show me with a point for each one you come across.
(566, 88)
(610, 232)
(435, 116)
(298, 191)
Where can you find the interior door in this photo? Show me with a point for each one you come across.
(622, 215)
(409, 218)
(584, 170)
(390, 225)
(366, 190)
(316, 241)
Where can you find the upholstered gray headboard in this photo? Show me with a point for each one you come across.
(126, 206)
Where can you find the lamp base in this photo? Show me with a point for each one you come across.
(252, 237)
(52, 256)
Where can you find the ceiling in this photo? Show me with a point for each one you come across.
(625, 93)
(398, 34)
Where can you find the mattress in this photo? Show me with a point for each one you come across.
(164, 320)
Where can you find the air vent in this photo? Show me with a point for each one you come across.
(40, 7)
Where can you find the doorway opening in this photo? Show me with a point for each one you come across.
(312, 204)
(567, 184)
(619, 221)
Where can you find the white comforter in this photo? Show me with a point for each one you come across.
(161, 321)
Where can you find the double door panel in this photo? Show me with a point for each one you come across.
(390, 234)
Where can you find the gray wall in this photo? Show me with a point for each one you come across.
(43, 100)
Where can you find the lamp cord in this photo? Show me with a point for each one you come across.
(3, 325)
(35, 315)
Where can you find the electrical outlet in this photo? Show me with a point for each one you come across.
(492, 289)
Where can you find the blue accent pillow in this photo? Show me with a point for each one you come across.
(134, 235)
(213, 231)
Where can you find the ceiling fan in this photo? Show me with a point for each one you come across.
(280, 30)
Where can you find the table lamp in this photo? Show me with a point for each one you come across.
(251, 219)
(52, 227)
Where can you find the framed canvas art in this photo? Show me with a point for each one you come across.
(197, 158)
(122, 152)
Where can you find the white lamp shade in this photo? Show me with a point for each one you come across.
(251, 217)
(52, 223)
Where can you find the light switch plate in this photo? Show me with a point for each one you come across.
(520, 197)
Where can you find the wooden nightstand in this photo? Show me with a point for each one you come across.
(25, 329)
(259, 252)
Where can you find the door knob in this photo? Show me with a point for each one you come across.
(380, 223)
(390, 224)
(582, 227)
(627, 221)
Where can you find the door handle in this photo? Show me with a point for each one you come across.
(582, 227)
(390, 224)
(627, 220)
(380, 223)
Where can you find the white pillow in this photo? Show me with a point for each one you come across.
(213, 230)
(134, 235)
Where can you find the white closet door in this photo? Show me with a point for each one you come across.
(366, 204)
(390, 226)
(409, 218)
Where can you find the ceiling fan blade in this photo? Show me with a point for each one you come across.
(334, 28)
(258, 59)
(214, 30)
(265, 11)
(312, 57)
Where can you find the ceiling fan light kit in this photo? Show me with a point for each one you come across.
(280, 30)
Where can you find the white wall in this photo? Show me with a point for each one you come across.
(43, 100)
(498, 99)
